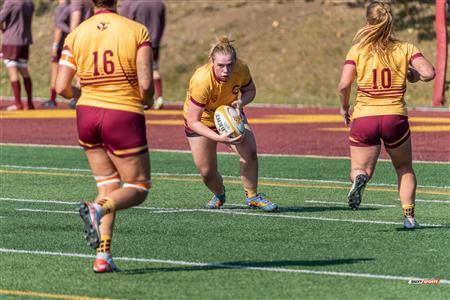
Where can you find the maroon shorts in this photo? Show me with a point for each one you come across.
(369, 131)
(14, 52)
(120, 132)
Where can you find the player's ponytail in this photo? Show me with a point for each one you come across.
(377, 35)
(223, 46)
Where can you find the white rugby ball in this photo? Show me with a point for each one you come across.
(228, 120)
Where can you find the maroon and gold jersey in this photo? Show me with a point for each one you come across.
(206, 91)
(103, 52)
(381, 87)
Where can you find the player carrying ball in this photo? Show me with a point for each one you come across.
(381, 64)
(225, 80)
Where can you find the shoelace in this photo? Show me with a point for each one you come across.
(261, 198)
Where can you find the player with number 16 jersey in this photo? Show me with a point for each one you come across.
(103, 52)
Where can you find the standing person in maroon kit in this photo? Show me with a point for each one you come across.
(151, 13)
(80, 10)
(62, 29)
(15, 23)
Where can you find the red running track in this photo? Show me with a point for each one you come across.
(430, 132)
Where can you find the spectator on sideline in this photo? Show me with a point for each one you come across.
(151, 13)
(15, 23)
(110, 116)
(62, 29)
(217, 83)
(80, 10)
(381, 64)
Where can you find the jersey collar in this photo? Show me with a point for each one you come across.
(105, 11)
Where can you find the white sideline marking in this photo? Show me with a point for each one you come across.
(223, 153)
(433, 201)
(243, 213)
(224, 266)
(344, 204)
(37, 201)
(47, 211)
(225, 176)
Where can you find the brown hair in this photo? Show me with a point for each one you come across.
(223, 46)
(104, 3)
(376, 36)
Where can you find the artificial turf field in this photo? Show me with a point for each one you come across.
(314, 247)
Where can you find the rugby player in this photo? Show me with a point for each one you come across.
(225, 80)
(381, 65)
(112, 56)
(15, 23)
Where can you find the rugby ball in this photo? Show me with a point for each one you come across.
(228, 120)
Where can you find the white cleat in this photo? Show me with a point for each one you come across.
(410, 223)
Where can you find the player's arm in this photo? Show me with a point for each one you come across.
(145, 74)
(57, 35)
(344, 88)
(64, 81)
(75, 19)
(421, 69)
(193, 120)
(248, 93)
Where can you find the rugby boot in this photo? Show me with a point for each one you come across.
(104, 264)
(215, 202)
(355, 194)
(90, 214)
(260, 202)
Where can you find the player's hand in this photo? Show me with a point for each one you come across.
(238, 105)
(226, 139)
(346, 115)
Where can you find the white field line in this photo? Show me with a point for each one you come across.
(243, 213)
(223, 153)
(224, 266)
(47, 211)
(344, 204)
(433, 201)
(225, 176)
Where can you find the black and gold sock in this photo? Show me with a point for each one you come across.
(408, 210)
(107, 206)
(105, 244)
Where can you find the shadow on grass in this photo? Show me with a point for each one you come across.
(321, 208)
(250, 265)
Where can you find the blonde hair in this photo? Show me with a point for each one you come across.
(376, 36)
(223, 46)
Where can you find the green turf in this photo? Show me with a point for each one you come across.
(239, 238)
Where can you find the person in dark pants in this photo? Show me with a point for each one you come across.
(151, 13)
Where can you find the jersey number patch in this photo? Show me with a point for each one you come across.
(386, 78)
(108, 65)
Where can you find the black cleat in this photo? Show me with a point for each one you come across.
(91, 224)
(355, 194)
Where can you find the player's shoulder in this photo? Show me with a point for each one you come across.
(202, 75)
(241, 65)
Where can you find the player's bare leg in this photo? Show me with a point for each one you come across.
(204, 154)
(52, 102)
(402, 160)
(135, 173)
(363, 162)
(248, 159)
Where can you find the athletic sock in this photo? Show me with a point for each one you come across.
(408, 210)
(105, 244)
(106, 206)
(250, 193)
(16, 92)
(29, 89)
(158, 87)
(53, 95)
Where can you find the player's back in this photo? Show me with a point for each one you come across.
(104, 49)
(382, 82)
